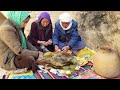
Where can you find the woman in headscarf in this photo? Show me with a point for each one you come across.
(15, 51)
(41, 33)
(65, 36)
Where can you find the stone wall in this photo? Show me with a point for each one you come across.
(100, 28)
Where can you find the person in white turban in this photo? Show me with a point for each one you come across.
(65, 35)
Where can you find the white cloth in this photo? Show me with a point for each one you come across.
(65, 17)
(67, 27)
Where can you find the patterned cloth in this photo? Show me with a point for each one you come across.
(91, 75)
(46, 74)
(27, 75)
(85, 72)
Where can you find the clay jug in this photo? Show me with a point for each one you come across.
(106, 63)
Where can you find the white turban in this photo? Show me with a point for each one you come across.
(65, 17)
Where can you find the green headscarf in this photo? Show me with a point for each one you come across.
(18, 17)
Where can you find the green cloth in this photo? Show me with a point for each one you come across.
(18, 17)
(23, 40)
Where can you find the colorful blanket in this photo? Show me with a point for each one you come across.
(84, 53)
(46, 74)
(91, 75)
(27, 75)
(85, 72)
(49, 75)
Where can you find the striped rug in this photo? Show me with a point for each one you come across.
(50, 75)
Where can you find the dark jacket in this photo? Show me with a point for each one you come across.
(37, 34)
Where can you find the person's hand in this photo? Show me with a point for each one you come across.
(43, 43)
(49, 41)
(40, 55)
(65, 49)
(57, 49)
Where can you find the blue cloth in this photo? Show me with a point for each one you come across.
(74, 40)
(79, 45)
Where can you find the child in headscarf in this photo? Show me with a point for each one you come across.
(15, 51)
(41, 33)
(65, 36)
